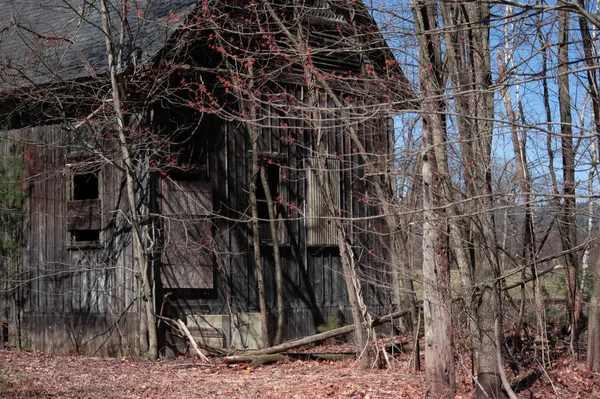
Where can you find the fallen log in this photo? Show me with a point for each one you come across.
(255, 361)
(321, 356)
(286, 346)
(531, 278)
(260, 360)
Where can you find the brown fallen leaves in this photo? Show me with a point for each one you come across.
(27, 375)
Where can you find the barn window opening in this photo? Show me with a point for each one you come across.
(277, 189)
(84, 205)
(273, 174)
(85, 186)
(85, 236)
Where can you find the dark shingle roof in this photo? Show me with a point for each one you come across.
(47, 41)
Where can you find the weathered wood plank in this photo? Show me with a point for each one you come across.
(84, 214)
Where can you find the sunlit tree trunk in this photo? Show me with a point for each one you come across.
(467, 39)
(529, 246)
(568, 227)
(593, 343)
(437, 300)
(273, 226)
(140, 256)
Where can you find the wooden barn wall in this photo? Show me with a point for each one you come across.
(314, 282)
(76, 299)
(372, 240)
(11, 257)
(84, 300)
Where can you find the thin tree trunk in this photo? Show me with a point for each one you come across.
(593, 347)
(466, 30)
(568, 225)
(402, 283)
(276, 256)
(549, 135)
(262, 302)
(364, 334)
(592, 87)
(529, 249)
(249, 106)
(139, 253)
(548, 110)
(264, 321)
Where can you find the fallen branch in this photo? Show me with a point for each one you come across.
(531, 278)
(286, 346)
(260, 360)
(177, 331)
(183, 328)
(321, 356)
(255, 361)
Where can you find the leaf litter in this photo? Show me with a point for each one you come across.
(36, 375)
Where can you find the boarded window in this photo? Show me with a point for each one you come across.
(187, 254)
(186, 196)
(320, 227)
(86, 286)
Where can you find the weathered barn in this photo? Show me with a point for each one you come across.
(69, 283)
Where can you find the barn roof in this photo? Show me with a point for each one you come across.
(48, 41)
(52, 43)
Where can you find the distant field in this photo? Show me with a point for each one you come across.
(553, 285)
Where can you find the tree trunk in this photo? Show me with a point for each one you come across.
(363, 332)
(437, 301)
(593, 347)
(264, 321)
(466, 33)
(248, 106)
(276, 257)
(360, 316)
(568, 227)
(140, 257)
(286, 346)
(529, 248)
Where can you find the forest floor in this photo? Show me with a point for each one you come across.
(35, 375)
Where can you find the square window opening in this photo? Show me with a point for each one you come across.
(86, 186)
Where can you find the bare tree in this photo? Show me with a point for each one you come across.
(568, 227)
(439, 356)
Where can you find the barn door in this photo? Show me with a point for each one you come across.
(187, 254)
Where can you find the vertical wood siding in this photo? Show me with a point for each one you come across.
(77, 299)
(84, 299)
